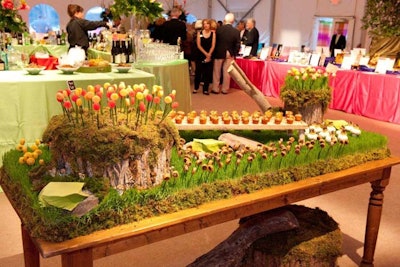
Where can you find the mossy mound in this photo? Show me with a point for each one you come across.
(317, 242)
(130, 155)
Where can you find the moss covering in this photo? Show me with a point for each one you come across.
(107, 145)
(188, 189)
(318, 239)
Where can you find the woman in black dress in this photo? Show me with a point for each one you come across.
(204, 65)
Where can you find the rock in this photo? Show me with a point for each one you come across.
(85, 206)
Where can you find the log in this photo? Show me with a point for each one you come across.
(234, 140)
(231, 251)
(246, 85)
(317, 242)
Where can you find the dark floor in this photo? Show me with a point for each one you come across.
(348, 207)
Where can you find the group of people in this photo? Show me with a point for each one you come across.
(215, 47)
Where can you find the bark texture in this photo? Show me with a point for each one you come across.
(246, 85)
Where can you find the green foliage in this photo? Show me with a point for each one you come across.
(10, 20)
(382, 18)
(210, 181)
(305, 87)
(149, 9)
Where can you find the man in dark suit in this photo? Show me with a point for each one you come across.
(226, 48)
(252, 36)
(338, 41)
(241, 26)
(174, 28)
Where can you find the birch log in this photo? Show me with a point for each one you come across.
(246, 85)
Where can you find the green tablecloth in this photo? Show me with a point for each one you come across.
(171, 75)
(94, 54)
(27, 102)
(54, 50)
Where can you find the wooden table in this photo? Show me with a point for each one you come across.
(81, 251)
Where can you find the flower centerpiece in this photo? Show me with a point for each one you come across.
(10, 20)
(116, 131)
(307, 91)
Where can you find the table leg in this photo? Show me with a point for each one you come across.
(31, 254)
(80, 258)
(374, 218)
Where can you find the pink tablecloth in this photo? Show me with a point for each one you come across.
(378, 96)
(372, 95)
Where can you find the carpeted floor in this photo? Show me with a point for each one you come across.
(348, 207)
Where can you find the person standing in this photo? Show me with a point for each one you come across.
(338, 41)
(241, 26)
(174, 28)
(226, 48)
(205, 41)
(78, 27)
(252, 36)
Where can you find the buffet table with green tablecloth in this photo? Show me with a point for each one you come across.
(171, 75)
(27, 102)
(54, 50)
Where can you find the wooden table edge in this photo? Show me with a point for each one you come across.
(234, 208)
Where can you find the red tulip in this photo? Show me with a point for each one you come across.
(96, 106)
(60, 97)
(74, 97)
(156, 100)
(67, 105)
(174, 104)
(111, 104)
(142, 106)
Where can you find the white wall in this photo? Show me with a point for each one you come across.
(292, 24)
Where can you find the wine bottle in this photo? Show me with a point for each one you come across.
(122, 51)
(19, 39)
(129, 51)
(63, 37)
(114, 51)
(58, 38)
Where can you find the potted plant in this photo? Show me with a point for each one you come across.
(306, 91)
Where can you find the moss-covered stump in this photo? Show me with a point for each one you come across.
(129, 156)
(317, 242)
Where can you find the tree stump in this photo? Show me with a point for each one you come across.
(317, 242)
(311, 113)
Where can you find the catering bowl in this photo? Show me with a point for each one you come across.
(34, 70)
(123, 68)
(67, 69)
